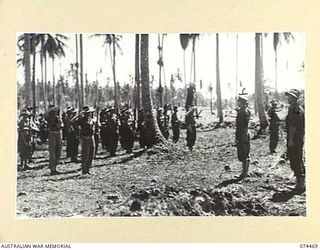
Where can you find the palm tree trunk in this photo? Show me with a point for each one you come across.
(184, 73)
(116, 101)
(33, 45)
(259, 85)
(81, 72)
(53, 83)
(218, 87)
(27, 69)
(77, 75)
(153, 134)
(237, 42)
(45, 83)
(276, 73)
(42, 78)
(137, 75)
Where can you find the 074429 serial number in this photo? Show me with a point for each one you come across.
(309, 246)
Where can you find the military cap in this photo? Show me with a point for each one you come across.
(293, 92)
(175, 107)
(24, 112)
(87, 109)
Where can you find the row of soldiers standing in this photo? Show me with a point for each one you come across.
(89, 126)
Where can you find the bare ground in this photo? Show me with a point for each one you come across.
(161, 181)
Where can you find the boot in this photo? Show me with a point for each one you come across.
(245, 169)
(300, 185)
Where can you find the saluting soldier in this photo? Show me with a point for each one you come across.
(54, 126)
(175, 123)
(295, 138)
(72, 135)
(191, 127)
(273, 126)
(86, 124)
(126, 132)
(24, 139)
(242, 134)
(165, 121)
(111, 132)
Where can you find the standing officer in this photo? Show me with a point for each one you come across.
(273, 127)
(126, 132)
(295, 138)
(175, 123)
(242, 134)
(54, 126)
(111, 131)
(86, 124)
(72, 135)
(24, 139)
(191, 127)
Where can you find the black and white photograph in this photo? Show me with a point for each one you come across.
(160, 124)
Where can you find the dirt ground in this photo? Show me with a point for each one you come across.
(169, 181)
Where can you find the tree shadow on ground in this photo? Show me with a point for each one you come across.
(283, 196)
(228, 182)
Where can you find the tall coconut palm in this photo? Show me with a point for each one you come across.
(153, 134)
(277, 37)
(137, 74)
(111, 42)
(27, 69)
(259, 93)
(81, 72)
(193, 38)
(54, 47)
(218, 86)
(184, 41)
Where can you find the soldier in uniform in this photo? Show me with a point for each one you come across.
(273, 126)
(54, 126)
(72, 136)
(175, 123)
(111, 132)
(191, 127)
(295, 138)
(24, 139)
(242, 134)
(126, 132)
(165, 121)
(86, 124)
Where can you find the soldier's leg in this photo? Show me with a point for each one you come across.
(91, 153)
(52, 154)
(58, 148)
(85, 150)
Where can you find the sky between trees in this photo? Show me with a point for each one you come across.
(97, 62)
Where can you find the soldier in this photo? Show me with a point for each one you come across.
(191, 127)
(24, 139)
(54, 127)
(273, 126)
(111, 132)
(175, 123)
(242, 134)
(295, 138)
(126, 132)
(86, 124)
(72, 135)
(165, 121)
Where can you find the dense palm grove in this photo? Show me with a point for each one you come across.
(146, 149)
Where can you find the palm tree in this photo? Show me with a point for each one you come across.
(193, 37)
(27, 69)
(53, 46)
(81, 72)
(137, 75)
(153, 134)
(184, 41)
(218, 86)
(277, 37)
(111, 42)
(259, 93)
